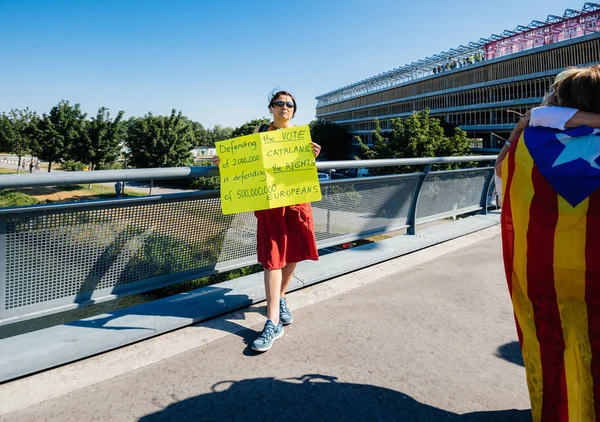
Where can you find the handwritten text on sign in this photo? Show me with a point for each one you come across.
(268, 170)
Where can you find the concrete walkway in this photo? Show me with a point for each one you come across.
(426, 337)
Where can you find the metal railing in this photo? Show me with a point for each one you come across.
(56, 257)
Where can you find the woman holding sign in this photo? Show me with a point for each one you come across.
(285, 236)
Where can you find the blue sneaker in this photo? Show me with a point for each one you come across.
(285, 315)
(269, 334)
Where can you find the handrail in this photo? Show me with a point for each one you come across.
(127, 175)
(98, 250)
(394, 162)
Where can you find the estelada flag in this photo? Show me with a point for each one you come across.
(551, 247)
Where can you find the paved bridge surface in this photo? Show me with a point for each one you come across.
(428, 336)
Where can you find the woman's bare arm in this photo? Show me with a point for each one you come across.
(584, 118)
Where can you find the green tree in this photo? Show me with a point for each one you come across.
(455, 145)
(202, 137)
(49, 143)
(419, 135)
(17, 132)
(159, 141)
(59, 132)
(100, 144)
(334, 139)
(6, 132)
(219, 133)
(248, 127)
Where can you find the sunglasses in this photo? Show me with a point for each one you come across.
(289, 104)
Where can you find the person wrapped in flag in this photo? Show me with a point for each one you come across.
(551, 247)
(549, 114)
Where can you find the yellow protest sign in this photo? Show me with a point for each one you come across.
(267, 170)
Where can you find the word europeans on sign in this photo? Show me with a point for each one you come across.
(268, 170)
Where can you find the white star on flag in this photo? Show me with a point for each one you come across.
(586, 147)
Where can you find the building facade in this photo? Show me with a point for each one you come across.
(484, 97)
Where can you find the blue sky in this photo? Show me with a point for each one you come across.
(217, 61)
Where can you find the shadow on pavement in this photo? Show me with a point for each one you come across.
(314, 397)
(511, 352)
(194, 306)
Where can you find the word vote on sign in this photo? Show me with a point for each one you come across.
(267, 170)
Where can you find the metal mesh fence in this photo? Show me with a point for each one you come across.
(355, 208)
(73, 254)
(68, 255)
(448, 192)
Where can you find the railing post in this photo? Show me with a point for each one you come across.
(327, 195)
(2, 267)
(485, 192)
(412, 211)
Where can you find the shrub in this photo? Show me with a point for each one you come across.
(71, 165)
(206, 183)
(115, 165)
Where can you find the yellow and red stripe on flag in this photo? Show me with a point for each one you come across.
(551, 247)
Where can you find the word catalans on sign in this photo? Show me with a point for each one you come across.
(268, 170)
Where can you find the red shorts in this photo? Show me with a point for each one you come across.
(285, 235)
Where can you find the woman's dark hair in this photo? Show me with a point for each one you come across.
(581, 90)
(279, 94)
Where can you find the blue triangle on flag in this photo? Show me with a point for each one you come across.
(569, 160)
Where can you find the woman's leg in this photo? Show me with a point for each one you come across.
(273, 282)
(276, 283)
(287, 273)
(273, 328)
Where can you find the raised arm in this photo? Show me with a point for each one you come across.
(563, 117)
(514, 135)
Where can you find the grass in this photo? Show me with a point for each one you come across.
(52, 194)
(15, 199)
(125, 195)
